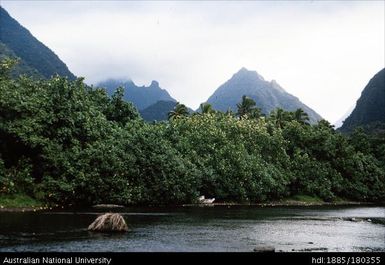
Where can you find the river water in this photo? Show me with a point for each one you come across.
(200, 229)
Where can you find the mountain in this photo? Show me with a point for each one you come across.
(370, 107)
(35, 58)
(142, 97)
(21, 67)
(158, 111)
(267, 95)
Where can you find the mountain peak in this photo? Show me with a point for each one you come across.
(244, 73)
(268, 95)
(154, 84)
(243, 69)
(141, 96)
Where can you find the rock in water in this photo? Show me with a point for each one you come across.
(109, 222)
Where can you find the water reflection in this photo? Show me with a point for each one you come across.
(200, 229)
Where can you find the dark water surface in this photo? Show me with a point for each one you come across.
(200, 229)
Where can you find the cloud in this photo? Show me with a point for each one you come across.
(322, 52)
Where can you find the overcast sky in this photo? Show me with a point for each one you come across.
(323, 52)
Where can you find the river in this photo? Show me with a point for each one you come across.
(200, 229)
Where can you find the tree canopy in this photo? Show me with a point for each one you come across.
(64, 142)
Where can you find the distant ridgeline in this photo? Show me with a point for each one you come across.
(267, 95)
(158, 111)
(153, 102)
(369, 112)
(35, 59)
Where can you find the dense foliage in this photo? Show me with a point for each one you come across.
(64, 142)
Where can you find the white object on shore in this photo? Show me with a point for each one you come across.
(202, 199)
(107, 206)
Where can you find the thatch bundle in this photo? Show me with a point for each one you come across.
(109, 222)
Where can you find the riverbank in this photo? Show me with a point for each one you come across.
(20, 203)
(286, 203)
(297, 200)
(24, 203)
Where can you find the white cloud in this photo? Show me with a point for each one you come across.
(322, 52)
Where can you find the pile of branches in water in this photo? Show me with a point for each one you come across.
(109, 222)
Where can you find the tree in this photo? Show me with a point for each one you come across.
(246, 106)
(360, 140)
(120, 110)
(279, 117)
(6, 66)
(301, 116)
(206, 108)
(229, 112)
(64, 142)
(180, 110)
(255, 113)
(326, 124)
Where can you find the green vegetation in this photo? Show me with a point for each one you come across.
(18, 201)
(63, 142)
(179, 111)
(306, 199)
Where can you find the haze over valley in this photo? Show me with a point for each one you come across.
(320, 52)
